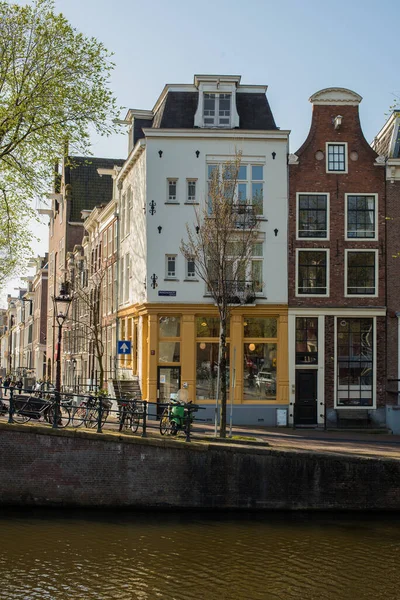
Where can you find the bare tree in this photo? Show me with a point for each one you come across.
(221, 243)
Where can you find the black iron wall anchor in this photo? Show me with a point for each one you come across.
(273, 155)
(160, 152)
(197, 153)
(159, 229)
(276, 232)
(154, 283)
(152, 209)
(197, 229)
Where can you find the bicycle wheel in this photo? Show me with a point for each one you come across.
(20, 417)
(91, 418)
(78, 416)
(135, 418)
(64, 416)
(165, 423)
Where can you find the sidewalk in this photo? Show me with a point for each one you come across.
(353, 442)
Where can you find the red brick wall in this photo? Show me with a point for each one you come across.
(393, 279)
(362, 177)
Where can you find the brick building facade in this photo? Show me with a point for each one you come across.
(336, 281)
(387, 145)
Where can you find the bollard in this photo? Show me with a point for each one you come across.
(188, 420)
(144, 427)
(11, 407)
(56, 410)
(99, 415)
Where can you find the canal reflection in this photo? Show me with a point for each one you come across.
(59, 555)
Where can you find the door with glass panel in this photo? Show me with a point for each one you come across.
(168, 384)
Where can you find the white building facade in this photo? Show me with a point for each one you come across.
(164, 310)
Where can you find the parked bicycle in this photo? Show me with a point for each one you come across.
(175, 415)
(87, 412)
(129, 414)
(38, 407)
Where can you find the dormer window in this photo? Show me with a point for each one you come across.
(217, 101)
(217, 110)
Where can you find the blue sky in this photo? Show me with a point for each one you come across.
(295, 47)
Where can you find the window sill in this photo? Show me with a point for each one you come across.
(171, 279)
(192, 203)
(172, 203)
(190, 279)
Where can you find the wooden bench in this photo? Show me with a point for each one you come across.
(356, 417)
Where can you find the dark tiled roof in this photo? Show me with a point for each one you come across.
(254, 111)
(138, 125)
(88, 188)
(178, 109)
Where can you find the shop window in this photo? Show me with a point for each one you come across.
(207, 370)
(306, 340)
(260, 327)
(169, 352)
(208, 327)
(259, 371)
(169, 327)
(355, 357)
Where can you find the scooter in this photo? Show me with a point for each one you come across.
(175, 415)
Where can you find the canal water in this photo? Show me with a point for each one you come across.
(48, 555)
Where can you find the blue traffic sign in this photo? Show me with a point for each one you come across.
(124, 347)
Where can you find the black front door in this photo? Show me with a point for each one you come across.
(305, 408)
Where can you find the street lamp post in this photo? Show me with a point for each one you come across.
(61, 304)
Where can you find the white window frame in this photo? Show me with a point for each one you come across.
(167, 257)
(328, 222)
(248, 163)
(361, 239)
(375, 346)
(191, 199)
(216, 118)
(190, 277)
(346, 158)
(169, 181)
(370, 250)
(327, 251)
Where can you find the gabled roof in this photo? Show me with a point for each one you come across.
(88, 188)
(387, 142)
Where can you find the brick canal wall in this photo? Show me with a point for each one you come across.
(45, 467)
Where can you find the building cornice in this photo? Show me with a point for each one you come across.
(235, 134)
(134, 155)
(336, 96)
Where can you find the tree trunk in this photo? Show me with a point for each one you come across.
(222, 375)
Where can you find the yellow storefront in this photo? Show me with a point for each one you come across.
(176, 346)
